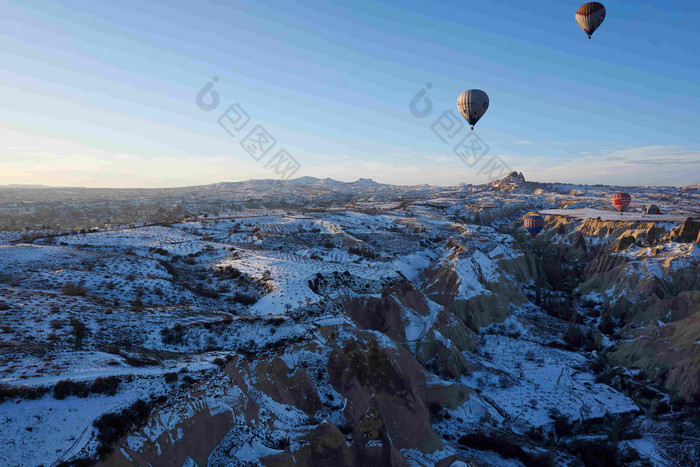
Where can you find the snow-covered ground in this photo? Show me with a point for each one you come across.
(610, 215)
(163, 308)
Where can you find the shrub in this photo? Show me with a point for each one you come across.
(245, 299)
(173, 336)
(595, 452)
(188, 380)
(107, 385)
(598, 364)
(140, 360)
(66, 387)
(137, 305)
(8, 392)
(562, 425)
(606, 325)
(112, 426)
(228, 272)
(73, 290)
(78, 332)
(205, 292)
(218, 361)
(574, 336)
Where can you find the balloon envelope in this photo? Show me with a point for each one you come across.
(589, 17)
(621, 201)
(472, 104)
(534, 224)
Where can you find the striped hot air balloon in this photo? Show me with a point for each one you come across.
(534, 224)
(621, 201)
(590, 16)
(472, 104)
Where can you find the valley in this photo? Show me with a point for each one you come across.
(312, 321)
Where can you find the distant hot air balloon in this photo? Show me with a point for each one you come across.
(472, 104)
(621, 201)
(534, 224)
(590, 16)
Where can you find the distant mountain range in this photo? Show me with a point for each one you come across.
(512, 181)
(329, 182)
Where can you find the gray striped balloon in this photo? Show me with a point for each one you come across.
(472, 104)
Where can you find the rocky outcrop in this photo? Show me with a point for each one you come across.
(190, 426)
(442, 284)
(389, 382)
(378, 314)
(649, 277)
(463, 338)
(647, 285)
(687, 232)
(409, 297)
(670, 355)
(515, 182)
(455, 461)
(240, 407)
(295, 388)
(384, 314)
(624, 243)
(441, 358)
(604, 233)
(465, 282)
(326, 445)
(441, 348)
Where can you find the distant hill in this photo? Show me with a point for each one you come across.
(365, 182)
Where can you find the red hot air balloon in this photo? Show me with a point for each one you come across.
(621, 201)
(534, 225)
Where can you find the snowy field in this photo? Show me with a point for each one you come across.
(165, 309)
(590, 213)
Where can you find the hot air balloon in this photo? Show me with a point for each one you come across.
(590, 16)
(534, 225)
(472, 104)
(621, 201)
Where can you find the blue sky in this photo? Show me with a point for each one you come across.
(98, 94)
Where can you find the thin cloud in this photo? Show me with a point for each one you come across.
(649, 165)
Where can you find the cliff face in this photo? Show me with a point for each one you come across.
(629, 262)
(386, 384)
(477, 285)
(378, 396)
(648, 275)
(669, 355)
